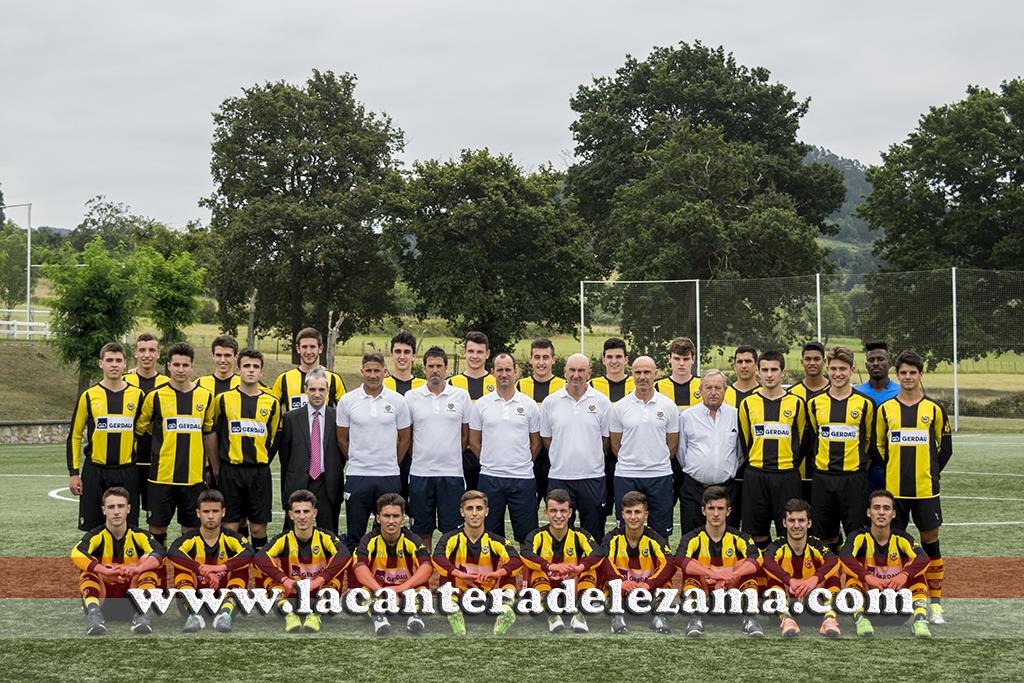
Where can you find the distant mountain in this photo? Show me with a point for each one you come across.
(851, 247)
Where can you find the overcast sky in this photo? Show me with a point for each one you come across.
(115, 98)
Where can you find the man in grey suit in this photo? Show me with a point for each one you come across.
(310, 457)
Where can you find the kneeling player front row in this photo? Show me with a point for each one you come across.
(117, 556)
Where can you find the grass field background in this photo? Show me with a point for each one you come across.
(983, 505)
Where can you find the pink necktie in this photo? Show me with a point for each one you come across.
(315, 469)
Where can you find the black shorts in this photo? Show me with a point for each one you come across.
(765, 492)
(164, 499)
(927, 513)
(247, 492)
(95, 480)
(839, 499)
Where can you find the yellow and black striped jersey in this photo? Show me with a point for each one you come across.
(191, 550)
(782, 563)
(289, 390)
(915, 443)
(684, 394)
(841, 432)
(539, 391)
(803, 391)
(615, 391)
(729, 551)
(455, 550)
(772, 431)
(476, 386)
(391, 563)
(862, 554)
(734, 396)
(541, 548)
(177, 421)
(217, 386)
(147, 384)
(99, 546)
(287, 557)
(144, 442)
(247, 427)
(403, 385)
(646, 562)
(108, 418)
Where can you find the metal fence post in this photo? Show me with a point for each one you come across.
(696, 286)
(817, 298)
(956, 363)
(583, 346)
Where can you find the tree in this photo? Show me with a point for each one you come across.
(489, 247)
(302, 176)
(952, 193)
(701, 213)
(12, 265)
(623, 121)
(93, 302)
(167, 289)
(115, 224)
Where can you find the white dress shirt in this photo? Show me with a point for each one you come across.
(644, 426)
(505, 428)
(709, 447)
(577, 430)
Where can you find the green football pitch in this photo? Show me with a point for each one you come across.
(983, 508)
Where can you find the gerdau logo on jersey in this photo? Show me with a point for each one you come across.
(115, 424)
(908, 437)
(771, 430)
(247, 427)
(183, 424)
(839, 432)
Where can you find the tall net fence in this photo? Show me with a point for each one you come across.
(967, 324)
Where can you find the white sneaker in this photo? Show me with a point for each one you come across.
(194, 623)
(381, 627)
(579, 624)
(415, 624)
(555, 624)
(936, 616)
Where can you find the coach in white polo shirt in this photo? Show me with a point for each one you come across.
(708, 450)
(440, 432)
(644, 431)
(374, 433)
(504, 432)
(574, 427)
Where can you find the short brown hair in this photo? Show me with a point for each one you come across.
(882, 493)
(909, 358)
(372, 357)
(250, 353)
(714, 493)
(840, 353)
(225, 342)
(682, 346)
(390, 499)
(209, 496)
(558, 496)
(633, 498)
(116, 491)
(301, 496)
(478, 338)
(111, 347)
(542, 343)
(796, 505)
(472, 494)
(309, 333)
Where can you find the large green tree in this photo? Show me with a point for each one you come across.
(489, 247)
(117, 225)
(951, 194)
(302, 177)
(12, 265)
(167, 290)
(623, 120)
(94, 301)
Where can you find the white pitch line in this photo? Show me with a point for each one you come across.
(59, 476)
(989, 443)
(945, 497)
(55, 494)
(985, 474)
(981, 523)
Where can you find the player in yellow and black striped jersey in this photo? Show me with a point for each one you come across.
(145, 376)
(540, 384)
(814, 383)
(773, 438)
(224, 350)
(391, 556)
(557, 551)
(106, 413)
(305, 552)
(111, 559)
(841, 428)
(289, 386)
(799, 563)
(880, 556)
(914, 441)
(179, 417)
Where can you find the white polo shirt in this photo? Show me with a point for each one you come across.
(505, 428)
(576, 429)
(644, 426)
(709, 448)
(373, 424)
(437, 421)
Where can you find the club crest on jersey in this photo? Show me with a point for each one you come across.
(520, 410)
(569, 552)
(199, 407)
(808, 564)
(131, 406)
(387, 408)
(485, 550)
(316, 550)
(728, 552)
(893, 556)
(451, 406)
(221, 555)
(128, 552)
(696, 394)
(264, 412)
(854, 414)
(787, 412)
(660, 415)
(925, 419)
(399, 553)
(645, 552)
(490, 387)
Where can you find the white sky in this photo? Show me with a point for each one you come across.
(115, 98)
